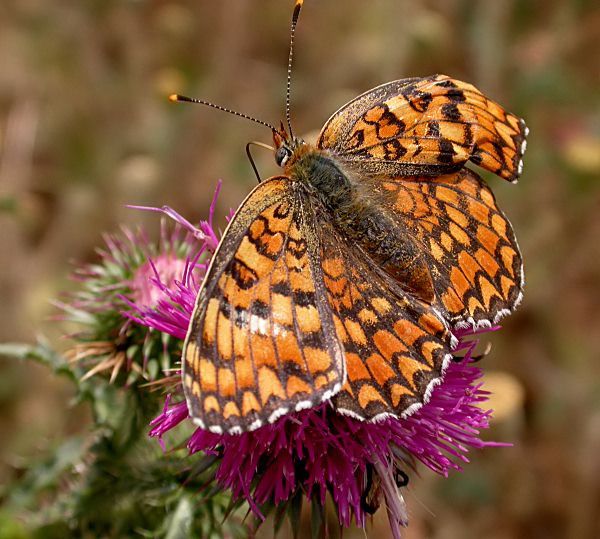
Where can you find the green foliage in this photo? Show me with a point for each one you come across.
(114, 481)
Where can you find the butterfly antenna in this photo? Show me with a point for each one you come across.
(183, 98)
(288, 89)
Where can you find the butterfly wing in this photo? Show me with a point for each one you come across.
(396, 346)
(291, 314)
(261, 342)
(466, 241)
(425, 126)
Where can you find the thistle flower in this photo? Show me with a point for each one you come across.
(318, 451)
(134, 277)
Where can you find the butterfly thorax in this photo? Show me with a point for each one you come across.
(324, 180)
(360, 217)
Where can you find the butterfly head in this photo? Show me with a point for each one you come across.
(286, 146)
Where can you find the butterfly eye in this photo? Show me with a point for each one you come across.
(282, 155)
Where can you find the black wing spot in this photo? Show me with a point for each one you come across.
(297, 247)
(446, 152)
(393, 150)
(245, 277)
(304, 299)
(260, 308)
(282, 288)
(446, 84)
(456, 95)
(476, 156)
(357, 139)
(282, 211)
(433, 129)
(451, 112)
(468, 134)
(419, 101)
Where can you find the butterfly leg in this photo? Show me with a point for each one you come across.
(251, 159)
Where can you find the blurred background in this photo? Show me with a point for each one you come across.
(85, 128)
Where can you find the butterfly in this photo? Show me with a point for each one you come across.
(343, 278)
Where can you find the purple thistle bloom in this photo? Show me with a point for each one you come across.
(174, 288)
(173, 300)
(318, 451)
(121, 294)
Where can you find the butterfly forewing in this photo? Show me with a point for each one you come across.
(261, 342)
(427, 126)
(396, 347)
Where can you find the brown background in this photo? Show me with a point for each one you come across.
(85, 128)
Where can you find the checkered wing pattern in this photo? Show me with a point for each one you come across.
(466, 241)
(262, 342)
(425, 126)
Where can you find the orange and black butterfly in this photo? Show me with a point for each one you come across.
(343, 278)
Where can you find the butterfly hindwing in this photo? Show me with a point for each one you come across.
(425, 126)
(467, 242)
(261, 342)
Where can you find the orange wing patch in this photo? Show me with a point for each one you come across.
(260, 345)
(427, 126)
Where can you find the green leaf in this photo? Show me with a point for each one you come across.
(115, 482)
(42, 353)
(11, 528)
(132, 351)
(46, 475)
(153, 369)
